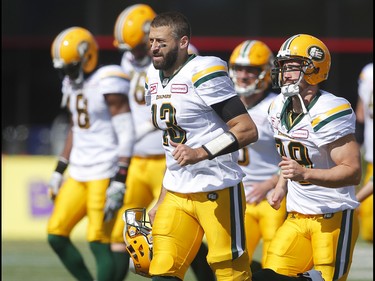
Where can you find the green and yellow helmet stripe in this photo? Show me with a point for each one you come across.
(330, 115)
(208, 74)
(244, 52)
(58, 43)
(286, 44)
(121, 21)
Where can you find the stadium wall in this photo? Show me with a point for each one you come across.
(25, 206)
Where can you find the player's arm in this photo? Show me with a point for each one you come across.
(152, 212)
(242, 131)
(241, 127)
(118, 106)
(345, 154)
(276, 195)
(62, 164)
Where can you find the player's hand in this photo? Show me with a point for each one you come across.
(114, 199)
(54, 185)
(291, 169)
(275, 196)
(185, 155)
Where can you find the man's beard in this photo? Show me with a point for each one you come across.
(169, 60)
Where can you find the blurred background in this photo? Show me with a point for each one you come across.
(34, 125)
(30, 88)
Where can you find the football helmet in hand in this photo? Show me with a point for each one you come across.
(138, 239)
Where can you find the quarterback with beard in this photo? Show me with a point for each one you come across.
(145, 174)
(204, 123)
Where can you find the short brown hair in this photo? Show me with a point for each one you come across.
(177, 21)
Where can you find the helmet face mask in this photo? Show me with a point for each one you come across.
(138, 239)
(249, 67)
(72, 70)
(282, 66)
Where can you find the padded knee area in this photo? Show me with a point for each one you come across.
(163, 266)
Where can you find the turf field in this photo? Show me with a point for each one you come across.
(35, 261)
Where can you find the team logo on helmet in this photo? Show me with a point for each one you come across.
(316, 53)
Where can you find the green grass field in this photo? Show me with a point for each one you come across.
(35, 261)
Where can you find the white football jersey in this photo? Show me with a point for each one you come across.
(95, 148)
(365, 91)
(148, 138)
(259, 160)
(304, 140)
(181, 107)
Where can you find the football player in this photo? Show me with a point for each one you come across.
(365, 130)
(204, 123)
(314, 134)
(98, 150)
(249, 68)
(145, 175)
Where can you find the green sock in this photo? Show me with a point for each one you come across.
(202, 270)
(105, 265)
(122, 265)
(255, 266)
(70, 257)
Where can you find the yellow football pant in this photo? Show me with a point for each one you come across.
(325, 242)
(182, 220)
(366, 210)
(261, 222)
(74, 201)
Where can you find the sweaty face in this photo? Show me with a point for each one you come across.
(164, 47)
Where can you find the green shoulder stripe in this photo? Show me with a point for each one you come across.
(209, 77)
(322, 123)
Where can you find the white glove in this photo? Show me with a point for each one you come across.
(114, 199)
(54, 185)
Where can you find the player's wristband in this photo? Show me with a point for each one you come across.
(62, 164)
(223, 144)
(122, 172)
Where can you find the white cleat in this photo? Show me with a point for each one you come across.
(313, 275)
